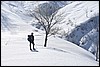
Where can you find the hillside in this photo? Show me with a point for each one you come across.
(80, 24)
(15, 52)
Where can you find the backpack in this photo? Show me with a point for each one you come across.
(29, 38)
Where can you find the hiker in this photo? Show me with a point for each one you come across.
(31, 40)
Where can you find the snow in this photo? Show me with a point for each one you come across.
(58, 52)
(79, 19)
(15, 47)
(76, 11)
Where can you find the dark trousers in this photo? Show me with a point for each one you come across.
(31, 44)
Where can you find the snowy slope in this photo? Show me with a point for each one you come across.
(74, 14)
(15, 47)
(22, 8)
(12, 22)
(79, 19)
(15, 52)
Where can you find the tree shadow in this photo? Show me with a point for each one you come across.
(57, 49)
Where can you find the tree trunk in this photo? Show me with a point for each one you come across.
(97, 52)
(45, 40)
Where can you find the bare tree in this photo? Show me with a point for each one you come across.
(97, 52)
(46, 16)
(97, 27)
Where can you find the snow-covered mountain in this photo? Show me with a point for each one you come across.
(23, 8)
(79, 24)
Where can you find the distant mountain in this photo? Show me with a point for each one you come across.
(21, 9)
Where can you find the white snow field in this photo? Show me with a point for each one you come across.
(15, 51)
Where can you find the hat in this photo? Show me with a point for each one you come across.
(31, 33)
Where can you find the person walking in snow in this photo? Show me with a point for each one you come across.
(31, 40)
